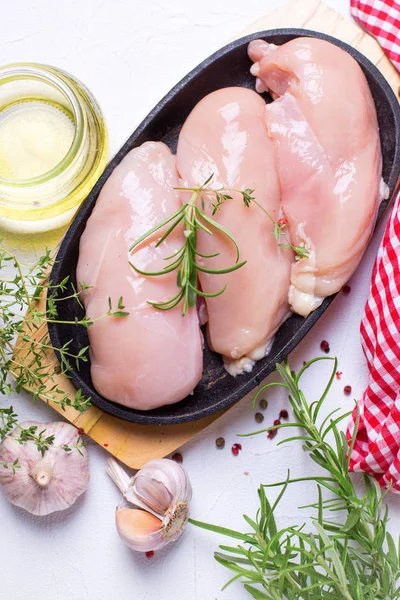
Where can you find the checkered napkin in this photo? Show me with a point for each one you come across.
(377, 445)
(381, 18)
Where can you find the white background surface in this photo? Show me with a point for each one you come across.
(130, 53)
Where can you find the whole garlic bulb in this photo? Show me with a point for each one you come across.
(161, 491)
(44, 484)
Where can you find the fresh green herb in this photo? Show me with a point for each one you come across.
(184, 260)
(193, 218)
(279, 231)
(356, 559)
(248, 198)
(42, 441)
(13, 466)
(22, 315)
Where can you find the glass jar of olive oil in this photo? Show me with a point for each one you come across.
(53, 147)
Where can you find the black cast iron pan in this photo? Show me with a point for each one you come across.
(227, 67)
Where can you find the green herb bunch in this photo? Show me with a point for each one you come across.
(23, 314)
(355, 559)
(192, 216)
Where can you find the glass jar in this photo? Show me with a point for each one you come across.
(53, 147)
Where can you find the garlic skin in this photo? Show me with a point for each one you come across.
(44, 484)
(161, 491)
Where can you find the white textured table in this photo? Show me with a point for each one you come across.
(130, 53)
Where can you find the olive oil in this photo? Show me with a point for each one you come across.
(35, 136)
(53, 147)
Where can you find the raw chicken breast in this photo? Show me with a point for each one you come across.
(325, 129)
(151, 357)
(225, 135)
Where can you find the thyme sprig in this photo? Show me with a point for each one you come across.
(12, 466)
(24, 350)
(43, 441)
(300, 251)
(9, 423)
(279, 226)
(194, 218)
(355, 559)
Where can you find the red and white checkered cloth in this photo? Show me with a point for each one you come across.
(381, 18)
(377, 446)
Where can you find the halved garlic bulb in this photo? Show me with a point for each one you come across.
(44, 484)
(161, 491)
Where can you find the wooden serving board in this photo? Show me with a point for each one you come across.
(135, 444)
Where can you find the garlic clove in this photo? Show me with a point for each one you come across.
(162, 490)
(143, 522)
(152, 492)
(161, 483)
(43, 485)
(125, 485)
(139, 529)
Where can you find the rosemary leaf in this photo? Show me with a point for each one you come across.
(356, 559)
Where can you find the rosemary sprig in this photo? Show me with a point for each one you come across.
(193, 218)
(21, 315)
(356, 559)
(184, 260)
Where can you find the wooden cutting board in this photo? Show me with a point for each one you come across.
(135, 444)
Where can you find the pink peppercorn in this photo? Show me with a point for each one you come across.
(347, 390)
(236, 449)
(346, 289)
(150, 554)
(324, 346)
(283, 414)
